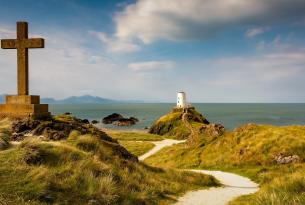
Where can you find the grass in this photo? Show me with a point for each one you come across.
(134, 136)
(249, 150)
(87, 170)
(5, 125)
(136, 147)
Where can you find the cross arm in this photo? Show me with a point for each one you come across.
(9, 43)
(34, 43)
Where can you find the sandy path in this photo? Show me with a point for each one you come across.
(158, 146)
(233, 184)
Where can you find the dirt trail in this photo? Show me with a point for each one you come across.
(158, 146)
(194, 136)
(233, 184)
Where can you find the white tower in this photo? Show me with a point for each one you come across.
(181, 100)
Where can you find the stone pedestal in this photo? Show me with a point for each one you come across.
(19, 106)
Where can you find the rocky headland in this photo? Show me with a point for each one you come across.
(185, 123)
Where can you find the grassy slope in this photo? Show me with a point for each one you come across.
(137, 148)
(84, 169)
(134, 136)
(249, 150)
(4, 130)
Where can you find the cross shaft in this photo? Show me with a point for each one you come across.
(22, 44)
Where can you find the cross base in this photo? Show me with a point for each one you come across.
(20, 106)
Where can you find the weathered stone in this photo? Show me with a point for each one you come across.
(282, 159)
(213, 130)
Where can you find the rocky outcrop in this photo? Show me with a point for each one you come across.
(54, 129)
(119, 120)
(212, 130)
(112, 118)
(60, 128)
(125, 122)
(282, 159)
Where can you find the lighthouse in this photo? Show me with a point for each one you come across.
(181, 100)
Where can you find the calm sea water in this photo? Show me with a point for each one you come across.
(230, 115)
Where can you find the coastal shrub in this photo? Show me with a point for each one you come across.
(4, 141)
(74, 134)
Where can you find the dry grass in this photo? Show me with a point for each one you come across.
(134, 136)
(136, 147)
(83, 170)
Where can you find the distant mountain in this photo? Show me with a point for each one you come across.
(85, 99)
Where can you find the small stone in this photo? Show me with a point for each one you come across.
(94, 121)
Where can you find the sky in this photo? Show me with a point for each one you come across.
(217, 51)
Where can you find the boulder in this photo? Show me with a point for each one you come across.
(86, 121)
(119, 120)
(94, 121)
(282, 159)
(112, 118)
(124, 122)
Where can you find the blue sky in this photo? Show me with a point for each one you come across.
(215, 50)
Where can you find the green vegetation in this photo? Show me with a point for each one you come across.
(87, 169)
(249, 150)
(172, 126)
(4, 130)
(137, 148)
(134, 136)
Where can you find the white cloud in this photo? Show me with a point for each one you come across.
(6, 32)
(180, 20)
(116, 45)
(252, 32)
(151, 65)
(273, 76)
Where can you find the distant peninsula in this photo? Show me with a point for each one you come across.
(84, 99)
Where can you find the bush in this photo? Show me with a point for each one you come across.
(4, 141)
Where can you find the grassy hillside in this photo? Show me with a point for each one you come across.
(172, 126)
(136, 147)
(133, 136)
(250, 150)
(85, 168)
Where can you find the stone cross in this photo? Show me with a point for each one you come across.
(22, 44)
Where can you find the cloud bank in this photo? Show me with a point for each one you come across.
(181, 20)
(151, 65)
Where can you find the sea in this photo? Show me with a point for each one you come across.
(231, 115)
